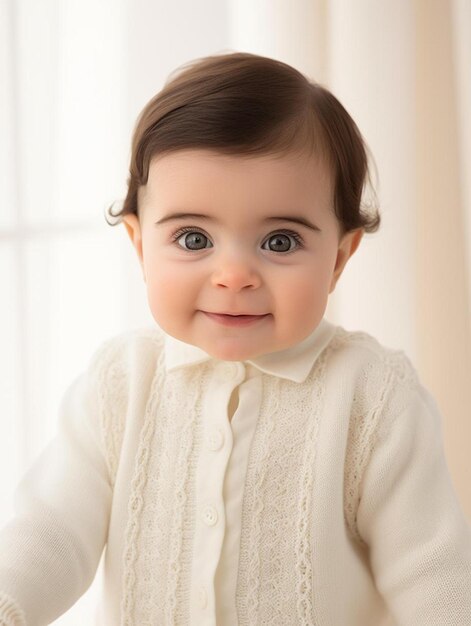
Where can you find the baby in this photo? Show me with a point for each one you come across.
(245, 461)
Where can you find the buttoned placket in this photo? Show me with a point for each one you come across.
(215, 452)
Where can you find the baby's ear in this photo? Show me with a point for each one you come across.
(133, 228)
(347, 246)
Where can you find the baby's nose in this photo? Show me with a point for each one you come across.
(236, 274)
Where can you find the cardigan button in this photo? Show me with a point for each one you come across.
(215, 439)
(210, 516)
(227, 371)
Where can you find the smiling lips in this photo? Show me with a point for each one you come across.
(229, 319)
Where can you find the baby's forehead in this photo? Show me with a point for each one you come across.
(201, 180)
(237, 192)
(206, 170)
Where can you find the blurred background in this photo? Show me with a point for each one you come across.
(73, 78)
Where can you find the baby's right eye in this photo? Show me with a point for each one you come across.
(191, 239)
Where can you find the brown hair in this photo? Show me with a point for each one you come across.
(245, 104)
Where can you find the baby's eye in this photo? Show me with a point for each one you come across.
(281, 242)
(190, 239)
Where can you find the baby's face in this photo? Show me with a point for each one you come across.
(222, 237)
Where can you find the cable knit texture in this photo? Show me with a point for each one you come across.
(11, 615)
(337, 456)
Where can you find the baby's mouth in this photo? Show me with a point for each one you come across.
(230, 319)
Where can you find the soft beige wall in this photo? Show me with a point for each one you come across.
(443, 317)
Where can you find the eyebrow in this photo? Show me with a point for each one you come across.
(276, 218)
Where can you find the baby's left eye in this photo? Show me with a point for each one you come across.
(281, 242)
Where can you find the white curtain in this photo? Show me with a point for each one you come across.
(74, 76)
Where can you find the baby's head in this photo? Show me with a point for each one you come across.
(244, 199)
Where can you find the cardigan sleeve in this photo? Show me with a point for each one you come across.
(51, 547)
(409, 516)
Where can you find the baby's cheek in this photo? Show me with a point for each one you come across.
(170, 293)
(299, 293)
(304, 301)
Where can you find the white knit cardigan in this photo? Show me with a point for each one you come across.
(349, 515)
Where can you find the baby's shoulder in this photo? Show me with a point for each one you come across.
(127, 354)
(370, 361)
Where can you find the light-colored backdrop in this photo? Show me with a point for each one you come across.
(74, 76)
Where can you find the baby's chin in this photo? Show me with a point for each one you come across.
(230, 344)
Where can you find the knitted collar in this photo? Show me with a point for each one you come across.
(293, 363)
